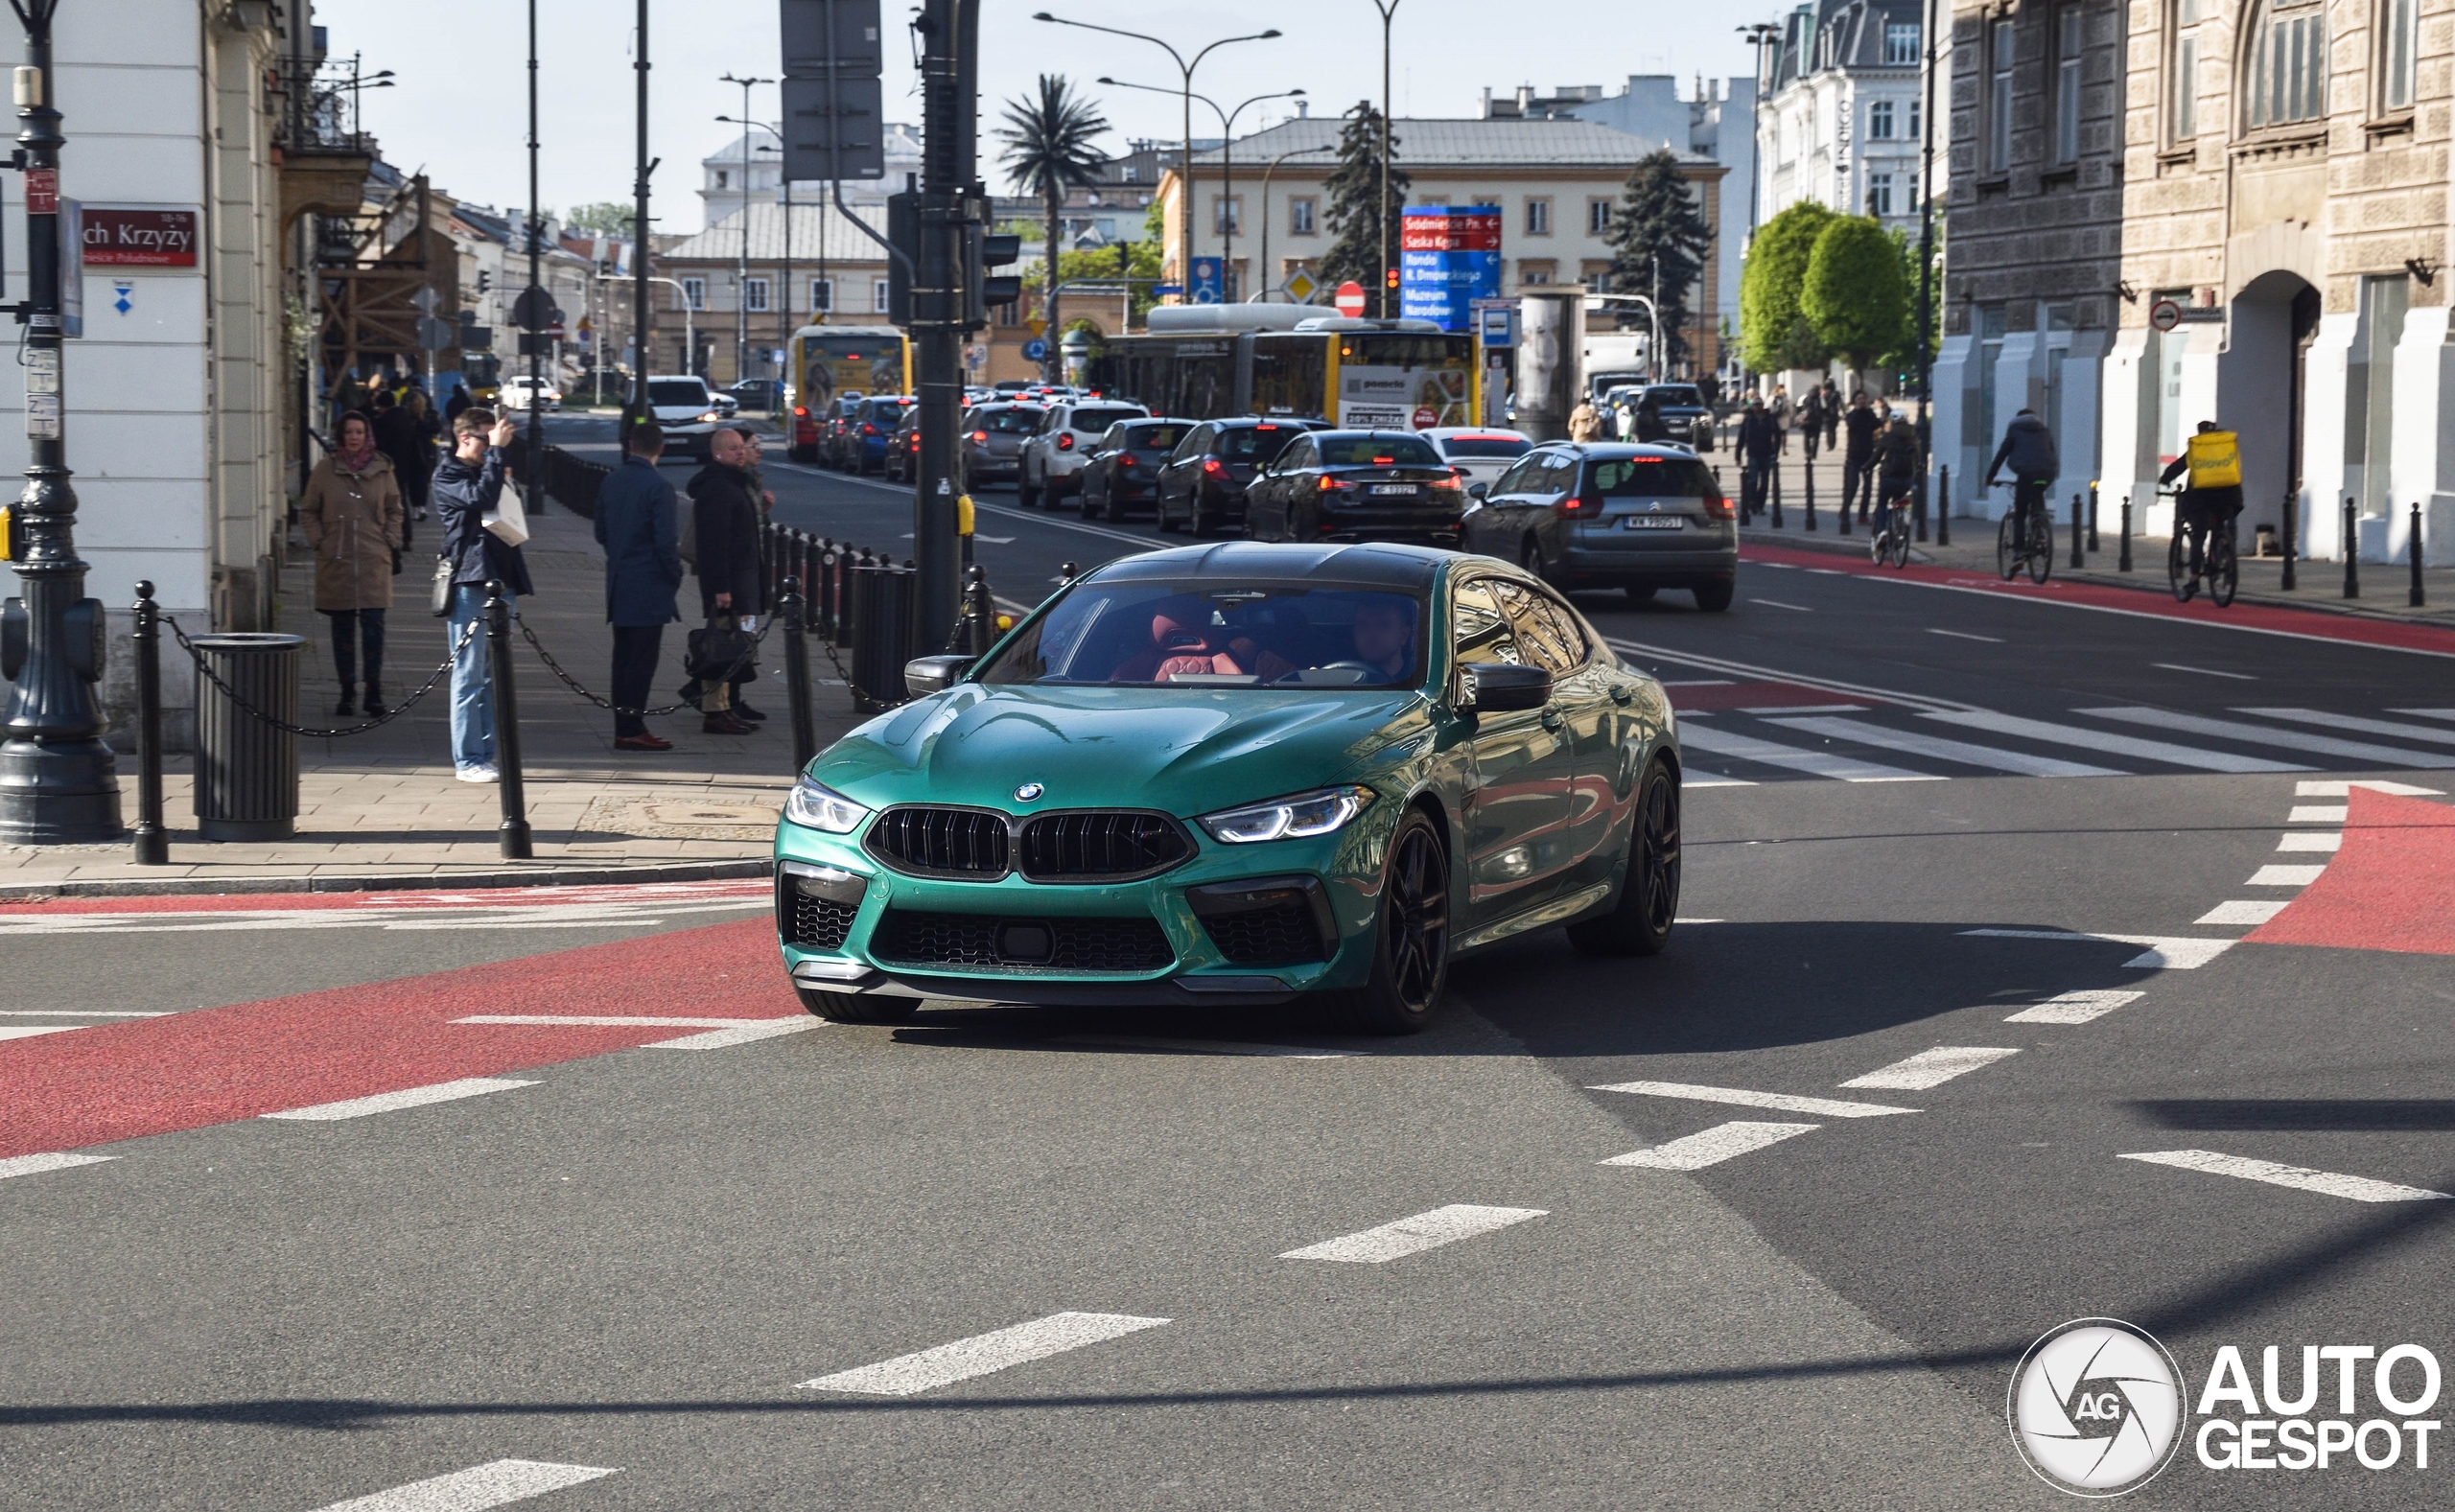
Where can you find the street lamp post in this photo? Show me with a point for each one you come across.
(533, 336)
(1294, 151)
(1227, 168)
(1761, 35)
(1184, 239)
(1927, 246)
(785, 267)
(643, 165)
(1381, 293)
(59, 783)
(741, 274)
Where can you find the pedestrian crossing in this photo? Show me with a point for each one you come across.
(1879, 741)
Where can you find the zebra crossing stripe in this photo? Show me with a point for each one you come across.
(2109, 743)
(2362, 727)
(1936, 746)
(2269, 735)
(1815, 764)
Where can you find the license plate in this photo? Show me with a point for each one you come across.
(1653, 523)
(1407, 490)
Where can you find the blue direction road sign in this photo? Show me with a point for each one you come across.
(1034, 350)
(1209, 281)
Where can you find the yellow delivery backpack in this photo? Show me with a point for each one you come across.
(2215, 460)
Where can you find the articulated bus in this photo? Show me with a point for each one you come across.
(830, 361)
(1283, 359)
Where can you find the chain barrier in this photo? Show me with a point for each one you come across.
(467, 633)
(767, 624)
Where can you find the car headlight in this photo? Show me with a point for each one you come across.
(1297, 817)
(822, 808)
(710, 418)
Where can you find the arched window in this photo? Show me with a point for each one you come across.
(2288, 64)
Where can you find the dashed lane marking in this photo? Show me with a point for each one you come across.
(1930, 1068)
(1963, 635)
(408, 1097)
(2074, 1008)
(2109, 743)
(36, 1165)
(724, 1032)
(1696, 778)
(2359, 1189)
(2244, 911)
(1712, 1147)
(2269, 735)
(1742, 1097)
(1412, 1236)
(1807, 709)
(983, 1354)
(2316, 814)
(1960, 751)
(1775, 603)
(2203, 671)
(1208, 1047)
(2322, 788)
(2311, 839)
(2274, 875)
(1817, 763)
(497, 1483)
(2164, 952)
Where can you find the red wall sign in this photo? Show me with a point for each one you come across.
(140, 238)
(1464, 229)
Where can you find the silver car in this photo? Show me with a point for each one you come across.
(1054, 454)
(993, 441)
(1611, 515)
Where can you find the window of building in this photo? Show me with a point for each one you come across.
(1130, 173)
(1534, 274)
(1596, 277)
(1879, 120)
(1226, 214)
(1899, 42)
(1990, 325)
(2067, 84)
(1597, 217)
(880, 298)
(1999, 96)
(2182, 88)
(724, 179)
(1538, 218)
(694, 293)
(822, 295)
(1879, 194)
(754, 293)
(1299, 215)
(2395, 54)
(2288, 64)
(1916, 106)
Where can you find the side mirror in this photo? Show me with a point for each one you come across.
(926, 675)
(1479, 491)
(1501, 687)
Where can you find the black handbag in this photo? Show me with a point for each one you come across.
(717, 656)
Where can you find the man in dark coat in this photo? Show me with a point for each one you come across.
(1759, 444)
(638, 524)
(1858, 455)
(467, 485)
(1896, 464)
(724, 519)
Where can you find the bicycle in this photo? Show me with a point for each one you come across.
(2220, 565)
(2038, 553)
(1891, 541)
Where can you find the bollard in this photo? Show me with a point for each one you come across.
(2291, 537)
(1846, 501)
(1067, 572)
(789, 604)
(1777, 492)
(2076, 559)
(2092, 517)
(2418, 597)
(2351, 551)
(152, 839)
(1810, 472)
(1944, 506)
(979, 612)
(512, 835)
(2122, 563)
(1921, 507)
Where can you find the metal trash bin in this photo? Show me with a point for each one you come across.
(247, 770)
(883, 602)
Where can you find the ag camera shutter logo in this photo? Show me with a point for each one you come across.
(2097, 1408)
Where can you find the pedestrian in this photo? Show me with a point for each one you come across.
(1782, 412)
(2028, 449)
(724, 523)
(1811, 420)
(1896, 463)
(457, 404)
(468, 486)
(1831, 411)
(638, 524)
(407, 433)
(1759, 444)
(1585, 423)
(1858, 455)
(352, 516)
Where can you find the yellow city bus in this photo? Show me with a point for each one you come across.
(833, 360)
(1355, 374)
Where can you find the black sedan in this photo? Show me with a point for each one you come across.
(1357, 485)
(1203, 484)
(1123, 473)
(1675, 414)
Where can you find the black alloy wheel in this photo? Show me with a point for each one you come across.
(1640, 922)
(1411, 938)
(855, 1007)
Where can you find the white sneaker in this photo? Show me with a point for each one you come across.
(480, 774)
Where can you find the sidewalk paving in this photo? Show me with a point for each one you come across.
(384, 809)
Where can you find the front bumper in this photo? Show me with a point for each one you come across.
(1211, 909)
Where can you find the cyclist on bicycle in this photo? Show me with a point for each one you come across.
(2214, 459)
(1896, 466)
(2028, 446)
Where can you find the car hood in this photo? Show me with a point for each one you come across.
(1177, 749)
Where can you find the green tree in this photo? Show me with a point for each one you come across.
(1048, 151)
(1354, 190)
(1855, 296)
(1773, 333)
(1659, 239)
(1140, 262)
(604, 217)
(1903, 358)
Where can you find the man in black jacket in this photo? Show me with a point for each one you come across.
(2029, 450)
(468, 485)
(725, 522)
(1858, 455)
(1759, 444)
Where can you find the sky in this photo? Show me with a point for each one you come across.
(459, 105)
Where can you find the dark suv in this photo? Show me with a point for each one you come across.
(1203, 485)
(1612, 514)
(1123, 472)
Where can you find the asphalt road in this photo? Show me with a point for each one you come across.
(628, 1258)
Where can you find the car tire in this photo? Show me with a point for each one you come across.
(1025, 494)
(852, 1008)
(1164, 521)
(1530, 558)
(1093, 511)
(1410, 936)
(1641, 918)
(1715, 597)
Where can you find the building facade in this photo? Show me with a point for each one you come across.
(1843, 114)
(827, 271)
(748, 170)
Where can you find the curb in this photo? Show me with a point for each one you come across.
(386, 882)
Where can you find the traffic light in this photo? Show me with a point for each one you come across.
(903, 230)
(485, 281)
(1389, 280)
(984, 250)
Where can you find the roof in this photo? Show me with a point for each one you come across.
(1370, 565)
(721, 243)
(1465, 143)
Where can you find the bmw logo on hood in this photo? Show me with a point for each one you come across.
(1029, 791)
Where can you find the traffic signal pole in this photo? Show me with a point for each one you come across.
(950, 83)
(59, 783)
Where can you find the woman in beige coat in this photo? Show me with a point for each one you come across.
(353, 517)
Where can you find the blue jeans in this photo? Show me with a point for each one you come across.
(473, 688)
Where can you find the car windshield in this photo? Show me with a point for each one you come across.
(1254, 443)
(1010, 422)
(1654, 477)
(1377, 451)
(1678, 396)
(678, 391)
(1486, 446)
(1096, 420)
(1215, 633)
(1154, 438)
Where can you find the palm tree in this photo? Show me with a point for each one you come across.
(1048, 151)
